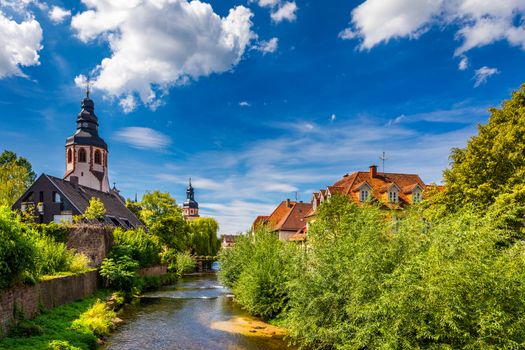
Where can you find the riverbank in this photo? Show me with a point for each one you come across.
(194, 314)
(59, 327)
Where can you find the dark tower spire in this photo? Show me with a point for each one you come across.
(87, 126)
(190, 208)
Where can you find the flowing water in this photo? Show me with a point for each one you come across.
(181, 316)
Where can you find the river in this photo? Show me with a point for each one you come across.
(188, 316)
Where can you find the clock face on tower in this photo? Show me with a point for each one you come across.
(84, 125)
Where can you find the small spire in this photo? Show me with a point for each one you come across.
(87, 88)
(136, 197)
(190, 181)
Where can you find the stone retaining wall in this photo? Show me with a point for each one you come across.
(47, 294)
(93, 241)
(153, 271)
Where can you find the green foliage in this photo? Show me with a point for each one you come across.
(97, 319)
(14, 181)
(360, 284)
(120, 273)
(57, 331)
(61, 345)
(16, 250)
(184, 263)
(8, 157)
(95, 210)
(16, 175)
(51, 256)
(58, 232)
(203, 236)
(138, 245)
(79, 263)
(25, 328)
(267, 266)
(492, 163)
(164, 219)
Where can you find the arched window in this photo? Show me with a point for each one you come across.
(82, 155)
(69, 156)
(98, 157)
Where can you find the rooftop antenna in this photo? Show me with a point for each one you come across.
(383, 158)
(296, 196)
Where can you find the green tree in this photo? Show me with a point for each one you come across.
(14, 180)
(11, 157)
(493, 162)
(163, 217)
(203, 236)
(95, 210)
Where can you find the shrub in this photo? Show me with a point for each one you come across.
(16, 251)
(97, 319)
(51, 256)
(61, 345)
(120, 273)
(138, 245)
(184, 263)
(25, 328)
(261, 286)
(79, 263)
(233, 261)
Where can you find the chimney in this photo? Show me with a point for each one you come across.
(288, 203)
(74, 181)
(373, 171)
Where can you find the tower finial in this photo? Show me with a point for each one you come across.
(190, 181)
(87, 88)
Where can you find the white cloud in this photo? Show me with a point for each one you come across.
(463, 64)
(481, 75)
(479, 22)
(285, 12)
(280, 10)
(244, 104)
(19, 45)
(158, 44)
(333, 117)
(58, 14)
(269, 46)
(142, 138)
(347, 34)
(128, 103)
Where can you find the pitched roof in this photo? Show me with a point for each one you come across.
(289, 216)
(79, 196)
(259, 221)
(380, 183)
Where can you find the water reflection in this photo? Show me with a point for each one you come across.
(179, 317)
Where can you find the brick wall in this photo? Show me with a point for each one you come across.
(49, 294)
(93, 241)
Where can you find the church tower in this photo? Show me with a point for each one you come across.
(190, 208)
(86, 151)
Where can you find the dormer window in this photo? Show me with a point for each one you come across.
(363, 196)
(417, 197)
(393, 197)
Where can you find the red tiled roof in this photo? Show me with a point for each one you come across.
(259, 221)
(289, 216)
(379, 183)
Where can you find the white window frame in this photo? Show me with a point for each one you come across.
(417, 197)
(393, 196)
(363, 195)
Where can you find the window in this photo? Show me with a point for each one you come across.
(82, 155)
(392, 197)
(364, 196)
(98, 157)
(416, 197)
(57, 198)
(41, 199)
(69, 156)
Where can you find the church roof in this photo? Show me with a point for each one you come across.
(79, 197)
(87, 127)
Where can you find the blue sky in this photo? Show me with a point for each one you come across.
(255, 100)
